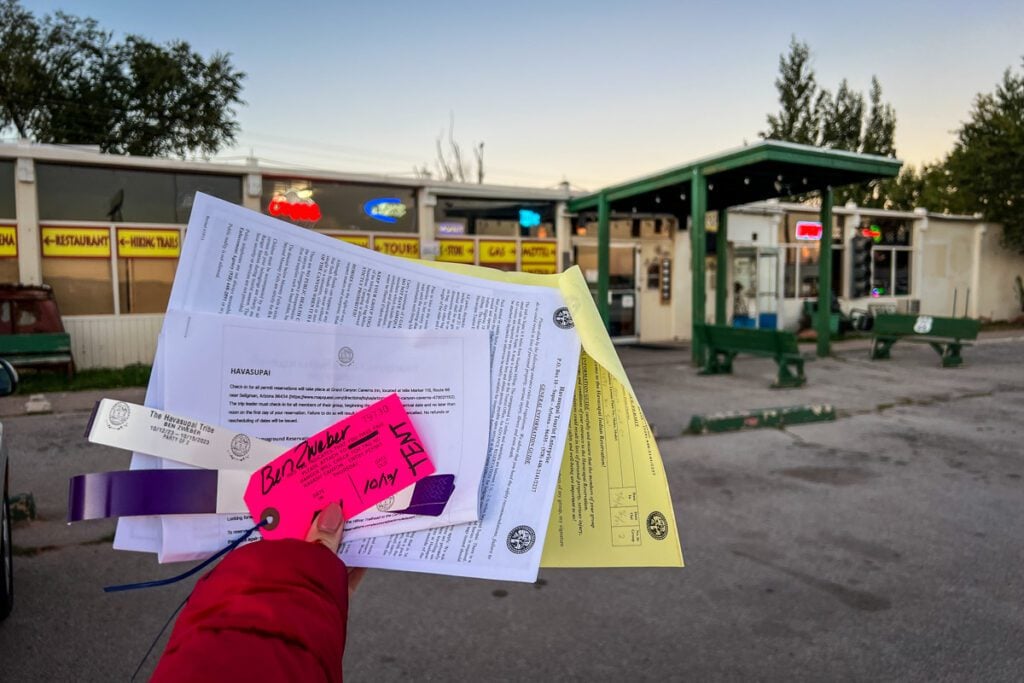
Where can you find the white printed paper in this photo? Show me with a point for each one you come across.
(299, 378)
(238, 262)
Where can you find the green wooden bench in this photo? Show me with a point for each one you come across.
(38, 349)
(945, 335)
(723, 343)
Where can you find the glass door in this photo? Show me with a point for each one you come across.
(621, 286)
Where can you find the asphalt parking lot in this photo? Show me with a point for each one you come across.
(885, 545)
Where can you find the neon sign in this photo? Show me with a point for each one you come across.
(808, 230)
(528, 219)
(451, 228)
(874, 232)
(385, 209)
(297, 211)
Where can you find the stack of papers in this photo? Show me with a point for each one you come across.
(511, 380)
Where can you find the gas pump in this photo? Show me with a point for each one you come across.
(757, 297)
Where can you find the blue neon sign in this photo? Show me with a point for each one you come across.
(528, 219)
(385, 209)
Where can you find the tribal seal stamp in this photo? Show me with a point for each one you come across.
(563, 319)
(657, 526)
(118, 416)
(345, 356)
(240, 445)
(521, 539)
(386, 504)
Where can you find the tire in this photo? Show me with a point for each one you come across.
(6, 560)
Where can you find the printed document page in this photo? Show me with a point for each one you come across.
(613, 507)
(284, 381)
(239, 262)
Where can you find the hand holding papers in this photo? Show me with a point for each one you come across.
(612, 506)
(256, 273)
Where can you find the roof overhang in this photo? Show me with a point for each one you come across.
(764, 170)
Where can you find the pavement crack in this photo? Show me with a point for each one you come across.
(34, 550)
(857, 599)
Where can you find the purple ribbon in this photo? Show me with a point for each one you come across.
(142, 492)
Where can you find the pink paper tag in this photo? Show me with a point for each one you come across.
(359, 461)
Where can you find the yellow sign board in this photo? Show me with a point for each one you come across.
(405, 247)
(456, 251)
(540, 268)
(8, 241)
(539, 252)
(495, 251)
(134, 243)
(75, 242)
(358, 240)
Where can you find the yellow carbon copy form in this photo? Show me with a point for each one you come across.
(612, 507)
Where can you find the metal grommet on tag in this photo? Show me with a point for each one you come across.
(270, 518)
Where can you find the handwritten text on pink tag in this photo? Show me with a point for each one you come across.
(359, 461)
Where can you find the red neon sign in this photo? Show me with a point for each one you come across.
(808, 230)
(297, 211)
(874, 232)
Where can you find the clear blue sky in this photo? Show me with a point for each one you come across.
(592, 91)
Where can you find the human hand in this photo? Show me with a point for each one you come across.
(326, 529)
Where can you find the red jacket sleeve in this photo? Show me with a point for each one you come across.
(270, 611)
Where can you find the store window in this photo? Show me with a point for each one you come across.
(9, 269)
(801, 273)
(621, 285)
(145, 284)
(8, 224)
(494, 218)
(7, 205)
(890, 255)
(81, 286)
(329, 205)
(109, 194)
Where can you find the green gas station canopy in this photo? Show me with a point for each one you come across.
(763, 170)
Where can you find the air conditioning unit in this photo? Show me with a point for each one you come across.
(875, 309)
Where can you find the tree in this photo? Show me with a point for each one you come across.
(798, 119)
(842, 118)
(65, 80)
(455, 168)
(812, 116)
(986, 166)
(880, 127)
(929, 188)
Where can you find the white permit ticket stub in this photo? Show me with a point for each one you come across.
(155, 432)
(132, 427)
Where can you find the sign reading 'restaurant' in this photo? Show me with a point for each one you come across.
(75, 242)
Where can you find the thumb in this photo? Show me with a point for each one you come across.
(327, 527)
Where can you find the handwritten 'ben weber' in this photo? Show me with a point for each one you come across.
(410, 448)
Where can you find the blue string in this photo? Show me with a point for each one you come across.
(157, 639)
(180, 577)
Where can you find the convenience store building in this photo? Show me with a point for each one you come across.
(105, 232)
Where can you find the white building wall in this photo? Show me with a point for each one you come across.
(1000, 266)
(947, 266)
(113, 341)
